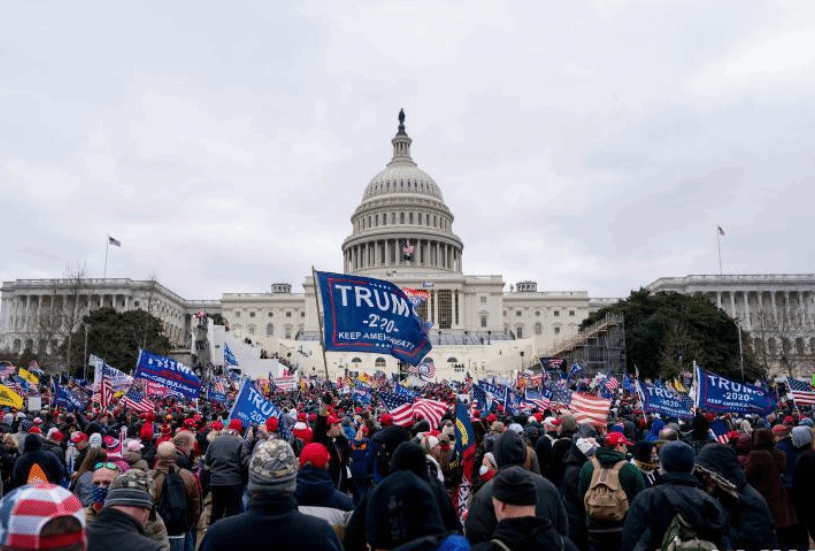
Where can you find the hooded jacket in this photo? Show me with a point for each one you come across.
(572, 500)
(765, 469)
(750, 522)
(33, 454)
(651, 513)
(526, 534)
(228, 460)
(509, 449)
(163, 466)
(316, 496)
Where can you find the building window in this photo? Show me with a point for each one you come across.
(571, 312)
(302, 314)
(288, 314)
(135, 304)
(251, 329)
(270, 314)
(483, 300)
(401, 217)
(288, 331)
(269, 330)
(537, 313)
(251, 314)
(445, 306)
(483, 320)
(379, 363)
(557, 330)
(556, 313)
(519, 332)
(538, 328)
(237, 314)
(518, 313)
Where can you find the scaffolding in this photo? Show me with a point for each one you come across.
(598, 348)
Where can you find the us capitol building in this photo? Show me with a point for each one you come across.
(402, 231)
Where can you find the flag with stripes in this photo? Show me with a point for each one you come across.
(560, 395)
(136, 400)
(720, 432)
(431, 410)
(405, 392)
(399, 407)
(802, 393)
(612, 383)
(536, 399)
(589, 409)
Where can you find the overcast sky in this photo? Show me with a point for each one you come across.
(585, 145)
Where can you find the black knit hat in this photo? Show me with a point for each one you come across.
(677, 457)
(400, 509)
(509, 449)
(514, 486)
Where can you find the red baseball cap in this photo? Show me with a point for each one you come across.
(616, 438)
(316, 454)
(333, 420)
(79, 437)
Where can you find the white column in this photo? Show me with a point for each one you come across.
(719, 299)
(748, 322)
(775, 308)
(733, 312)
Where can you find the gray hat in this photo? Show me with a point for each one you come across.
(273, 468)
(133, 488)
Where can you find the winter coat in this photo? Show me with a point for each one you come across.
(750, 520)
(361, 462)
(33, 454)
(791, 454)
(113, 529)
(190, 489)
(572, 499)
(803, 488)
(228, 460)
(630, 479)
(526, 534)
(316, 496)
(272, 521)
(765, 467)
(651, 512)
(559, 449)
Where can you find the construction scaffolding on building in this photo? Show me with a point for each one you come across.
(599, 348)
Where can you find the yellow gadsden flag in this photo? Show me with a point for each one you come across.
(28, 376)
(10, 398)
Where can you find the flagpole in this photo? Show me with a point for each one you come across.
(719, 247)
(105, 273)
(320, 321)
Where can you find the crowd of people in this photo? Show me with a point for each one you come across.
(333, 474)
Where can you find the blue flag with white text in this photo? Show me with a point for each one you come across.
(722, 395)
(165, 371)
(251, 407)
(363, 314)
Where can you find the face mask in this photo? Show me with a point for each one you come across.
(99, 493)
(483, 470)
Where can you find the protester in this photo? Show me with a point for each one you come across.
(272, 511)
(26, 524)
(582, 449)
(121, 523)
(514, 498)
(227, 460)
(171, 494)
(315, 493)
(652, 510)
(36, 465)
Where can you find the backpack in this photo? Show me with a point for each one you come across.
(680, 535)
(172, 505)
(605, 500)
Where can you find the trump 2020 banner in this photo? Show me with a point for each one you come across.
(362, 314)
(176, 376)
(251, 407)
(665, 402)
(722, 395)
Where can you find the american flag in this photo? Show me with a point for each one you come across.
(535, 399)
(431, 410)
(479, 396)
(104, 395)
(137, 401)
(400, 408)
(612, 383)
(561, 395)
(589, 409)
(802, 393)
(407, 248)
(155, 389)
(406, 393)
(720, 431)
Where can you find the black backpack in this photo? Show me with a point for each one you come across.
(172, 505)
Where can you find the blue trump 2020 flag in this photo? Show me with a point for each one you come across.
(664, 402)
(168, 372)
(251, 407)
(719, 394)
(362, 314)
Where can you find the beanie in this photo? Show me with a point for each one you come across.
(400, 509)
(273, 468)
(314, 454)
(515, 487)
(677, 457)
(132, 488)
(236, 425)
(272, 424)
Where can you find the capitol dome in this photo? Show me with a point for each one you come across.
(402, 222)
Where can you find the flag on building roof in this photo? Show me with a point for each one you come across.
(399, 407)
(802, 393)
(137, 400)
(589, 409)
(114, 242)
(721, 231)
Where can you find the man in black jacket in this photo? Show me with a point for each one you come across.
(36, 465)
(514, 498)
(653, 509)
(510, 450)
(121, 523)
(272, 511)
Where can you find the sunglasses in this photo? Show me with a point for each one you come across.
(108, 465)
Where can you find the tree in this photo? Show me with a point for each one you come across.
(117, 336)
(61, 318)
(667, 332)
